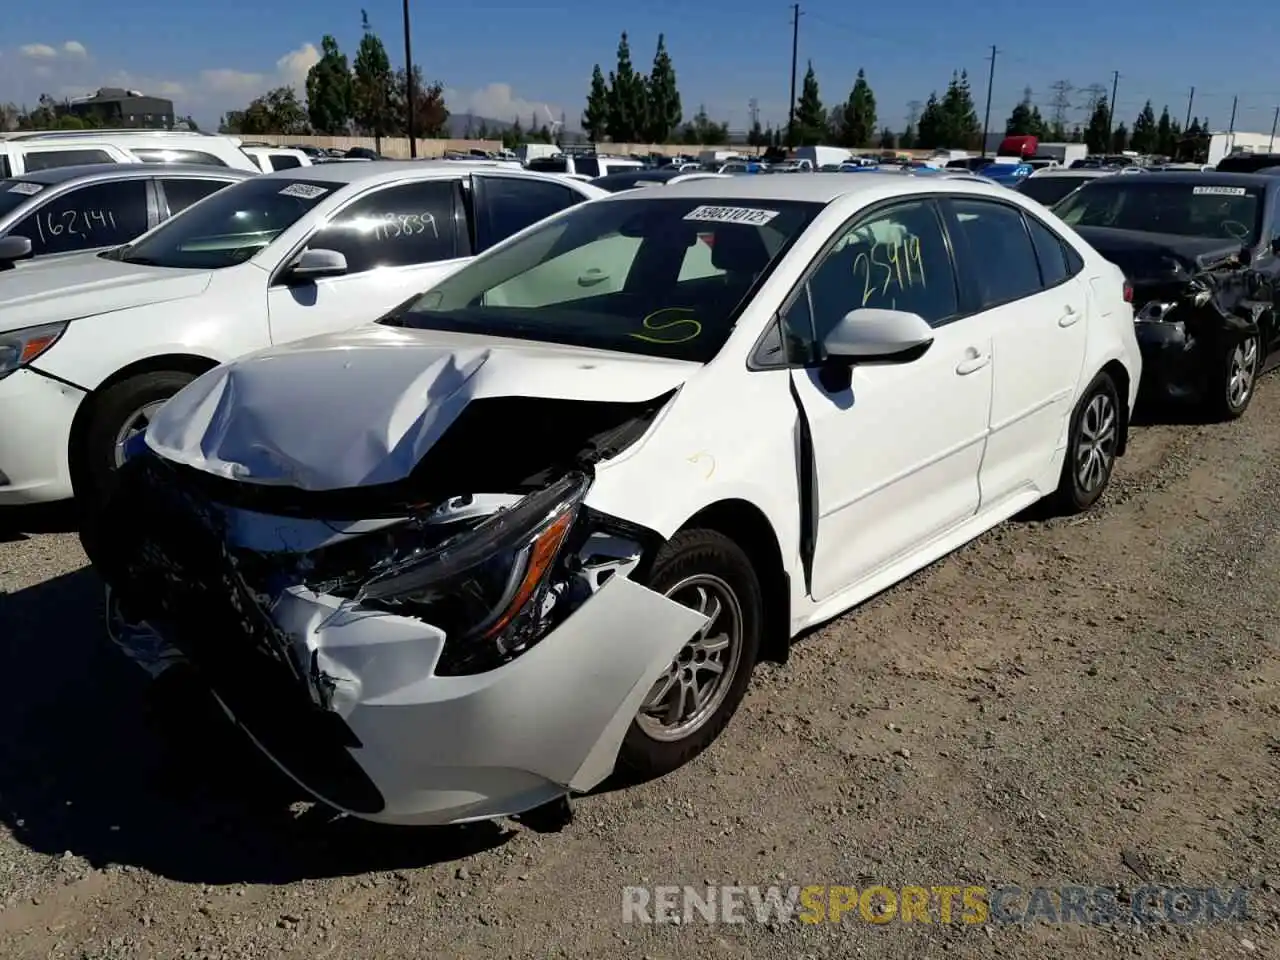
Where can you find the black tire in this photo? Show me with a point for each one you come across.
(705, 554)
(94, 464)
(1224, 401)
(1089, 432)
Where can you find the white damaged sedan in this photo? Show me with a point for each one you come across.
(545, 518)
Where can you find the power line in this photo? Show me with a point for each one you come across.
(1061, 103)
(991, 79)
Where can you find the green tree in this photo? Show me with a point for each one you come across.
(483, 132)
(960, 127)
(277, 111)
(1019, 122)
(1095, 134)
(1146, 134)
(757, 137)
(888, 141)
(329, 90)
(664, 111)
(595, 119)
(373, 87)
(430, 115)
(1039, 126)
(908, 139)
(929, 128)
(1120, 139)
(703, 130)
(628, 98)
(811, 117)
(1164, 134)
(856, 126)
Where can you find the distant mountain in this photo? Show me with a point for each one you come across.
(459, 123)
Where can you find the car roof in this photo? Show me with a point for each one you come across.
(389, 171)
(126, 171)
(1091, 172)
(811, 188)
(1207, 178)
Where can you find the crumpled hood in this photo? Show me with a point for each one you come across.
(1147, 256)
(68, 288)
(362, 407)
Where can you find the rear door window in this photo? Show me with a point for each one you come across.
(182, 192)
(284, 161)
(97, 215)
(49, 159)
(998, 257)
(506, 205)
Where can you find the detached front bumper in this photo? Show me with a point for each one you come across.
(372, 729)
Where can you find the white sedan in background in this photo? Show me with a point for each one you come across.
(462, 562)
(92, 345)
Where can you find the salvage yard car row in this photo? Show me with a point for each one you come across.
(460, 498)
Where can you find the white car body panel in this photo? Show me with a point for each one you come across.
(913, 461)
(122, 314)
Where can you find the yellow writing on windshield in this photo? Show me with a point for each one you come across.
(676, 329)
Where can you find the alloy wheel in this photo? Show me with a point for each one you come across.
(1096, 444)
(133, 426)
(695, 684)
(1241, 372)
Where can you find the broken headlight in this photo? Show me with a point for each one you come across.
(486, 587)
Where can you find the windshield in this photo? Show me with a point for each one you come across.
(14, 193)
(229, 226)
(1153, 205)
(1049, 190)
(650, 275)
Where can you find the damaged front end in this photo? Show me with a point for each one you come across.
(420, 652)
(1193, 304)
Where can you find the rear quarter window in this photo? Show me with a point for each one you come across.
(49, 159)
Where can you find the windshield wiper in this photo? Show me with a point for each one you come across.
(142, 261)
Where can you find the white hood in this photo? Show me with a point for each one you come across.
(362, 407)
(68, 288)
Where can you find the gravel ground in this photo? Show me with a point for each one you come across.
(1086, 701)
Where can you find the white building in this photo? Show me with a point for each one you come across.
(1223, 144)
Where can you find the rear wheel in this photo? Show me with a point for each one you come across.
(693, 701)
(1092, 443)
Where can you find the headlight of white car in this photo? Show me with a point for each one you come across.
(487, 587)
(19, 347)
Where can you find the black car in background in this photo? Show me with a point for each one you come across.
(1201, 252)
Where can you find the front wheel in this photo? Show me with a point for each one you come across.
(119, 412)
(1233, 380)
(1092, 443)
(693, 701)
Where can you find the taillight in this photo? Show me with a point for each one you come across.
(1128, 292)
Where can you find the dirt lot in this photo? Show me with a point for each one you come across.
(1094, 701)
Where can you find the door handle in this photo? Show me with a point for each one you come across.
(1069, 317)
(973, 363)
(591, 278)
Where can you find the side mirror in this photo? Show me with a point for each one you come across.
(15, 248)
(315, 264)
(877, 336)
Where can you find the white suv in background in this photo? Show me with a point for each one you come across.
(92, 345)
(271, 159)
(24, 151)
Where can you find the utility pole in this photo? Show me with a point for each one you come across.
(1231, 127)
(795, 50)
(408, 82)
(1191, 98)
(986, 117)
(1111, 105)
(1274, 120)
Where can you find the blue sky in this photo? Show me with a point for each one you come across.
(506, 59)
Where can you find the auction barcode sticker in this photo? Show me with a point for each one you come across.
(1219, 191)
(748, 215)
(26, 189)
(304, 191)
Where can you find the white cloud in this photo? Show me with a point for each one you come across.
(38, 51)
(498, 101)
(294, 66)
(225, 84)
(74, 48)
